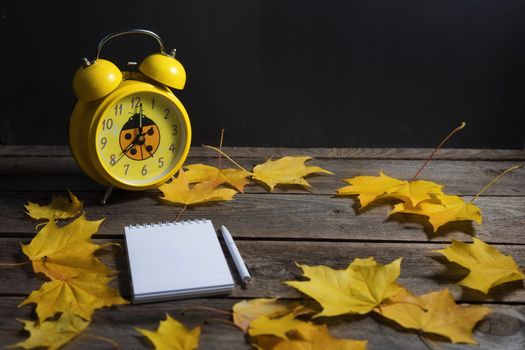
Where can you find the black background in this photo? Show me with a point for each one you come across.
(320, 73)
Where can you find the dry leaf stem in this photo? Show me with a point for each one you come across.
(14, 264)
(220, 147)
(98, 337)
(180, 213)
(228, 157)
(463, 124)
(429, 343)
(494, 181)
(109, 244)
(221, 320)
(402, 302)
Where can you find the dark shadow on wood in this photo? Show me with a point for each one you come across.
(389, 323)
(358, 210)
(452, 273)
(233, 269)
(338, 320)
(118, 196)
(283, 187)
(144, 340)
(464, 226)
(122, 278)
(20, 257)
(497, 293)
(454, 226)
(381, 202)
(409, 222)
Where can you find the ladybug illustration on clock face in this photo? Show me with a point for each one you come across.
(139, 137)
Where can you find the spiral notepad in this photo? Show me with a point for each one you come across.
(176, 260)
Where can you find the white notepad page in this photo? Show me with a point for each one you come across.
(176, 259)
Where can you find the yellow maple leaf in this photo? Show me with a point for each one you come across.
(289, 333)
(285, 171)
(59, 208)
(52, 334)
(238, 178)
(362, 286)
(81, 295)
(320, 338)
(414, 192)
(246, 311)
(64, 252)
(278, 327)
(178, 191)
(488, 267)
(442, 209)
(370, 188)
(173, 335)
(439, 315)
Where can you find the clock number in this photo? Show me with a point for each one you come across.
(144, 170)
(112, 159)
(161, 162)
(135, 102)
(126, 168)
(175, 131)
(167, 113)
(107, 124)
(104, 142)
(152, 103)
(118, 109)
(172, 148)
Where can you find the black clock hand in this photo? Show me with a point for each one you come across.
(125, 150)
(150, 132)
(123, 154)
(147, 150)
(140, 119)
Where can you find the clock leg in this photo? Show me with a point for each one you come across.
(109, 189)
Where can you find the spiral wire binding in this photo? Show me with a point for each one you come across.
(165, 224)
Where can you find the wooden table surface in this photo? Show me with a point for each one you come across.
(274, 230)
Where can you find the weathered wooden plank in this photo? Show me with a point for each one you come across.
(504, 328)
(272, 262)
(282, 216)
(459, 177)
(35, 173)
(264, 152)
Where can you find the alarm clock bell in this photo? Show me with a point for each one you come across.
(94, 80)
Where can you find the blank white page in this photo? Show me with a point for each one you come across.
(171, 257)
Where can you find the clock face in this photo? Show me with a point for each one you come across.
(140, 138)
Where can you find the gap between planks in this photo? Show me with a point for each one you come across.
(116, 237)
(304, 299)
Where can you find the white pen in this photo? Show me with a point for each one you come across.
(237, 258)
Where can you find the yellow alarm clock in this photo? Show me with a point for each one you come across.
(127, 129)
